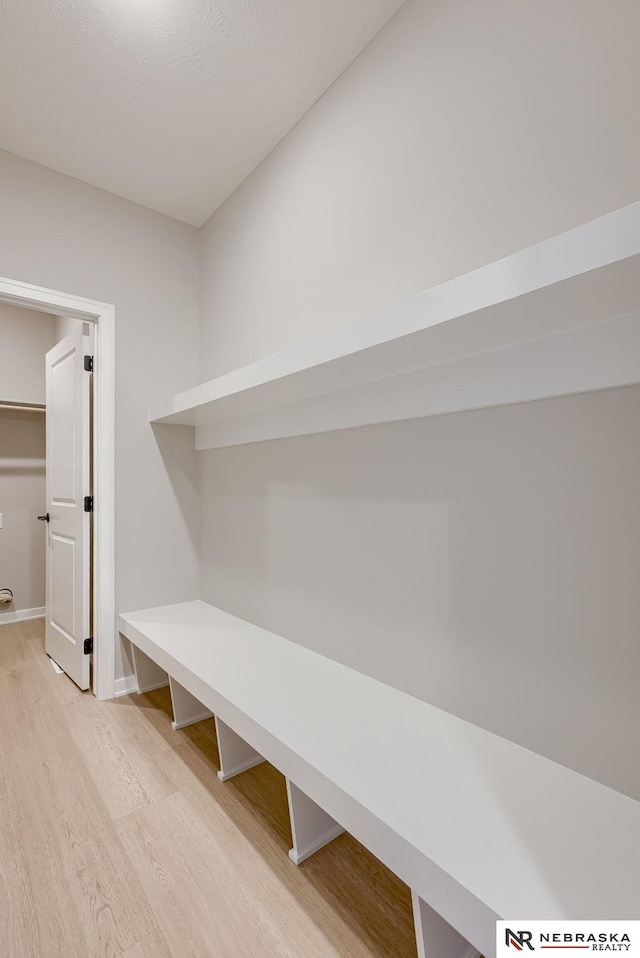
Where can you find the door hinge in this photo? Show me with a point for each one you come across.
(88, 363)
(88, 646)
(88, 503)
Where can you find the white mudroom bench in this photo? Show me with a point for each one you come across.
(478, 827)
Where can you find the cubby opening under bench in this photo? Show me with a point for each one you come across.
(478, 827)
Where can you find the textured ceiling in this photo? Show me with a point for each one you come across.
(170, 103)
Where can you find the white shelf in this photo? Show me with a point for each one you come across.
(22, 410)
(558, 318)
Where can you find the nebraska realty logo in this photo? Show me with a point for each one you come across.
(527, 936)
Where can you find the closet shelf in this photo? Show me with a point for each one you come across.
(558, 318)
(21, 410)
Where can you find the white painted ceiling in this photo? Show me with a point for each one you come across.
(170, 103)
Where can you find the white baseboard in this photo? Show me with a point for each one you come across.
(125, 686)
(192, 721)
(237, 769)
(151, 688)
(21, 615)
(298, 856)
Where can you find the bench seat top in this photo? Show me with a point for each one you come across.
(525, 836)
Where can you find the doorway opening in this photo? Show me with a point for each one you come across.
(97, 320)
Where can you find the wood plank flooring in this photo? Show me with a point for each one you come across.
(117, 838)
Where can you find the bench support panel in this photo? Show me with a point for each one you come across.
(435, 937)
(149, 676)
(311, 827)
(187, 710)
(236, 755)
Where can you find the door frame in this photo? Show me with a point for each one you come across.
(102, 316)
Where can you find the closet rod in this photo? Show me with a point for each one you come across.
(26, 406)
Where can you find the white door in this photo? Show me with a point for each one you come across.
(68, 597)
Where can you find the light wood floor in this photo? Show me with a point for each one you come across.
(117, 838)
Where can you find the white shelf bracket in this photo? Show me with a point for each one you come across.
(149, 676)
(236, 755)
(311, 827)
(435, 937)
(187, 710)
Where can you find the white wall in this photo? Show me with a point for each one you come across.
(485, 561)
(65, 325)
(25, 336)
(481, 561)
(59, 233)
(463, 132)
(22, 499)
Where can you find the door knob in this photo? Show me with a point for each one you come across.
(44, 518)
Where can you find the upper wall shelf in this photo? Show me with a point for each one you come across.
(558, 318)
